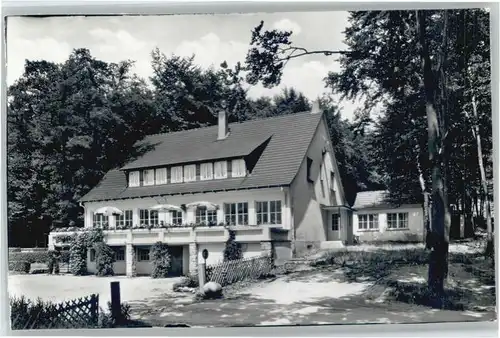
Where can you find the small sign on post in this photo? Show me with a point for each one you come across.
(202, 271)
(116, 312)
(204, 254)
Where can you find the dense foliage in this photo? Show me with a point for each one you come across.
(104, 259)
(232, 250)
(161, 260)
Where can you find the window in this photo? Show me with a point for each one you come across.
(268, 212)
(149, 177)
(92, 255)
(332, 181)
(220, 169)
(100, 220)
(134, 179)
(309, 169)
(119, 254)
(161, 176)
(190, 173)
(368, 221)
(205, 216)
(148, 217)
(321, 173)
(335, 222)
(206, 171)
(238, 168)
(176, 175)
(236, 213)
(176, 217)
(397, 220)
(125, 219)
(142, 254)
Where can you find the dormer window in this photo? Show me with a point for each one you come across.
(149, 177)
(134, 179)
(206, 171)
(220, 169)
(161, 176)
(176, 175)
(190, 173)
(238, 168)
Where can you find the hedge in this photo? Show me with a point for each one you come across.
(31, 257)
(20, 266)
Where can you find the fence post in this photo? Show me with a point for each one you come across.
(116, 302)
(202, 276)
(94, 309)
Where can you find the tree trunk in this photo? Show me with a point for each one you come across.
(440, 216)
(425, 193)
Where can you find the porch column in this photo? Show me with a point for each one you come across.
(193, 258)
(130, 260)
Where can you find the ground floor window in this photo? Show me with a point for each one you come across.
(148, 217)
(335, 222)
(268, 212)
(236, 213)
(119, 254)
(125, 219)
(92, 255)
(100, 220)
(176, 216)
(368, 221)
(142, 254)
(205, 216)
(397, 220)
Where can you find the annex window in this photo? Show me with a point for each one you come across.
(397, 220)
(238, 168)
(149, 177)
(161, 176)
(368, 222)
(309, 169)
(176, 175)
(205, 216)
(100, 221)
(206, 171)
(142, 254)
(119, 254)
(335, 222)
(220, 169)
(268, 212)
(134, 179)
(148, 217)
(176, 216)
(124, 219)
(190, 173)
(236, 213)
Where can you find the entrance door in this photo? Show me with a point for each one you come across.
(335, 228)
(176, 254)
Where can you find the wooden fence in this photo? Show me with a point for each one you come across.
(229, 272)
(73, 314)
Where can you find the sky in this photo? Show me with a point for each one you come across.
(211, 38)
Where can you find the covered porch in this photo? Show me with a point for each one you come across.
(338, 225)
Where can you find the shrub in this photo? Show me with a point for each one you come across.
(25, 314)
(78, 255)
(185, 282)
(232, 251)
(104, 258)
(31, 257)
(106, 320)
(160, 260)
(20, 266)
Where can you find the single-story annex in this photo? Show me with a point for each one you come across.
(274, 181)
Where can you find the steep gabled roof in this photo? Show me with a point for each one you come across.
(289, 138)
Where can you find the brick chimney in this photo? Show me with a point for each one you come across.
(315, 107)
(223, 126)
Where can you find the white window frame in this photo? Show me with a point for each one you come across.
(119, 254)
(174, 217)
(143, 255)
(134, 179)
(264, 214)
(176, 174)
(125, 219)
(368, 222)
(399, 222)
(148, 177)
(220, 169)
(206, 171)
(149, 220)
(99, 220)
(238, 168)
(190, 173)
(161, 176)
(203, 215)
(239, 215)
(335, 222)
